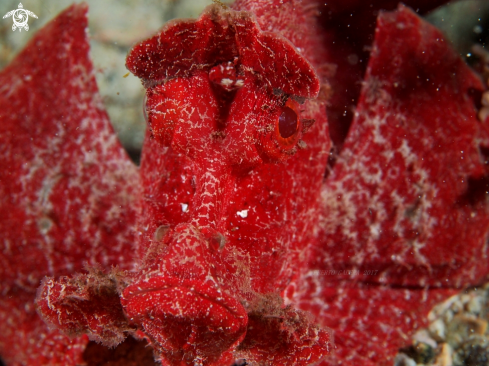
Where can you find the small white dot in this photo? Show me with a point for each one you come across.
(226, 82)
(243, 214)
(184, 207)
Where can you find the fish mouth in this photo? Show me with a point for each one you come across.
(186, 319)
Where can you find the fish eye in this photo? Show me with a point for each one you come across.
(288, 124)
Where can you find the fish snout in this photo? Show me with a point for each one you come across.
(182, 309)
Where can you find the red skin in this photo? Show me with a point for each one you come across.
(223, 146)
(68, 192)
(234, 217)
(405, 222)
(404, 198)
(348, 29)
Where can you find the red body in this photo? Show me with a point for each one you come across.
(244, 213)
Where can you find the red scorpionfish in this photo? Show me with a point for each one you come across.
(262, 221)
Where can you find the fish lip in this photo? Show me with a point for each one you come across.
(203, 290)
(220, 305)
(190, 316)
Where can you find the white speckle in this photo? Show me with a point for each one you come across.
(243, 214)
(226, 82)
(184, 207)
(375, 230)
(239, 83)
